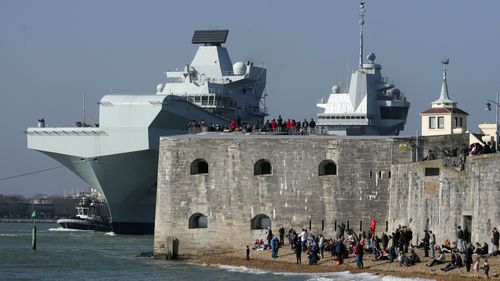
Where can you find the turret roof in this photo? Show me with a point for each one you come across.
(444, 99)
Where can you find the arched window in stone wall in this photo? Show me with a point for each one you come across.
(260, 221)
(198, 220)
(199, 166)
(327, 167)
(262, 167)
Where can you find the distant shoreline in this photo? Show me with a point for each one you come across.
(28, 221)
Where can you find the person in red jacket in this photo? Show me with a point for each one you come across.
(273, 125)
(373, 224)
(233, 125)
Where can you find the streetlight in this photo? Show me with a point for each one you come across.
(488, 108)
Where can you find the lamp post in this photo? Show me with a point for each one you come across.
(488, 108)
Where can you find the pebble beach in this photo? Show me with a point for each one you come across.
(286, 262)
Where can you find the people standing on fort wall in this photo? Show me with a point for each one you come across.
(233, 125)
(279, 123)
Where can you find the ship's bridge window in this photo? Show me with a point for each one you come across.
(198, 220)
(393, 112)
(199, 166)
(327, 167)
(262, 167)
(260, 221)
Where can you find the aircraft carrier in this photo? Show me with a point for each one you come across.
(119, 157)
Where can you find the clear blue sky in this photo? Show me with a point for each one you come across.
(53, 51)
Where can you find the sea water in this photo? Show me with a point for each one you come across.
(87, 255)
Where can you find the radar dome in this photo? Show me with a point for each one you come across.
(371, 57)
(336, 89)
(239, 68)
(159, 88)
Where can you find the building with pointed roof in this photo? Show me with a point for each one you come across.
(444, 117)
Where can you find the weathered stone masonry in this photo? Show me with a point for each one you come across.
(441, 203)
(230, 196)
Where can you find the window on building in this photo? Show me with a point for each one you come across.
(456, 122)
(432, 122)
(461, 124)
(262, 167)
(440, 122)
(370, 174)
(198, 220)
(327, 167)
(260, 221)
(199, 166)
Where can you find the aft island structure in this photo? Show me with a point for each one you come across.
(370, 106)
(119, 157)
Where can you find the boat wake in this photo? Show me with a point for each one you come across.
(62, 229)
(111, 233)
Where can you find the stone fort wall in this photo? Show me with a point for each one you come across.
(451, 198)
(232, 199)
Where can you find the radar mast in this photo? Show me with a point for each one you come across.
(361, 24)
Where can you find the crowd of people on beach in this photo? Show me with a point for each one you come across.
(394, 247)
(276, 125)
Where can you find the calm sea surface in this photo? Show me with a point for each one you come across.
(88, 255)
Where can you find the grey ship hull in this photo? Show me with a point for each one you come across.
(127, 179)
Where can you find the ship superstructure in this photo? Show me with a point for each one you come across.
(371, 105)
(120, 156)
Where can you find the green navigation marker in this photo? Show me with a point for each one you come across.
(33, 233)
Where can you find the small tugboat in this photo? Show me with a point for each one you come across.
(88, 216)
